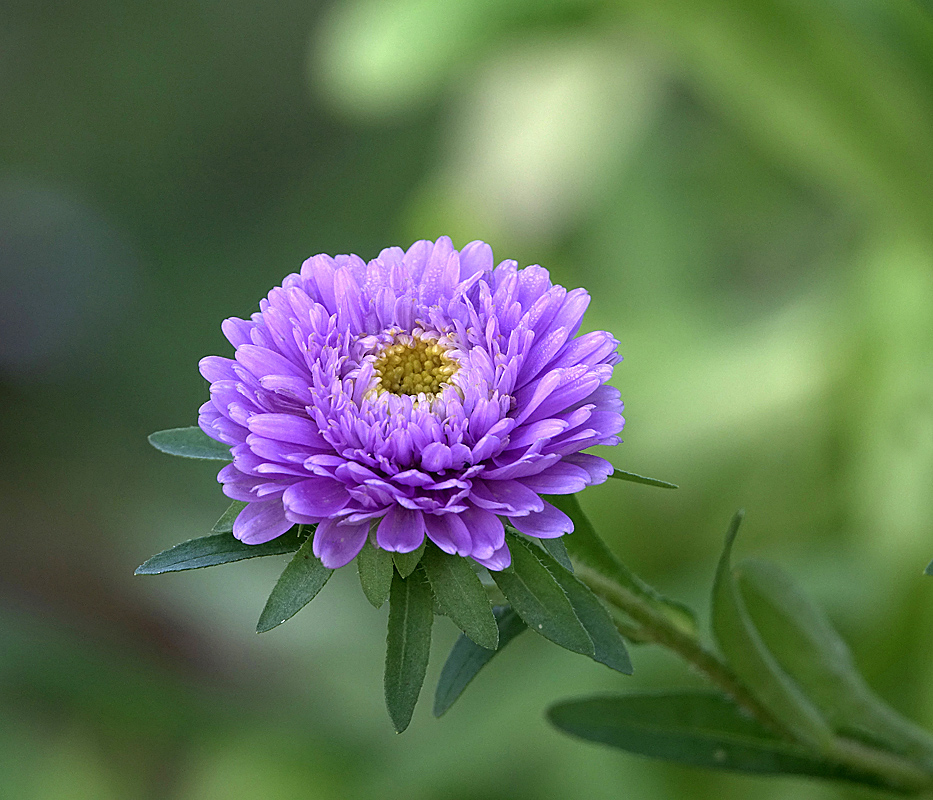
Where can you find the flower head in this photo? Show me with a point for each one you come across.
(425, 393)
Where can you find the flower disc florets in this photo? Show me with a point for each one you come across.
(424, 393)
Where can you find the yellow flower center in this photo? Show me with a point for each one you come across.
(414, 366)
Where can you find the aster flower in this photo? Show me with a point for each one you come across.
(426, 393)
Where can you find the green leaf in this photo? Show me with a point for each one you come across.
(190, 443)
(753, 662)
(558, 551)
(810, 651)
(622, 475)
(300, 581)
(538, 598)
(461, 596)
(929, 569)
(588, 549)
(608, 644)
(375, 568)
(405, 563)
(698, 728)
(408, 645)
(467, 658)
(221, 548)
(225, 523)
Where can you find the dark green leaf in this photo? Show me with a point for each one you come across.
(408, 645)
(622, 475)
(698, 728)
(929, 569)
(190, 443)
(538, 598)
(467, 658)
(461, 596)
(589, 550)
(221, 548)
(558, 551)
(751, 660)
(375, 568)
(810, 651)
(608, 644)
(405, 563)
(299, 583)
(225, 523)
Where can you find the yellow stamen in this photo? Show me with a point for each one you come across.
(414, 366)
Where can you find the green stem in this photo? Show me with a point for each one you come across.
(658, 628)
(894, 771)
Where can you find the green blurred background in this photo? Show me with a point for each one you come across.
(746, 189)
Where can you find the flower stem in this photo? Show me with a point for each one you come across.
(653, 626)
(893, 771)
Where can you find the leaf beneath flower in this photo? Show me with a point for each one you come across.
(375, 567)
(622, 475)
(608, 644)
(221, 548)
(225, 523)
(408, 645)
(698, 728)
(539, 599)
(558, 551)
(405, 563)
(303, 577)
(467, 658)
(190, 443)
(461, 596)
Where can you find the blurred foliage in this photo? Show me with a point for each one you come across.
(744, 189)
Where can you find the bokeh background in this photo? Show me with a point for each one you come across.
(746, 189)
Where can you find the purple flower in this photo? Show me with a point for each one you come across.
(424, 393)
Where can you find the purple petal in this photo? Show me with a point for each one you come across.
(559, 478)
(549, 523)
(486, 530)
(498, 560)
(337, 544)
(597, 468)
(449, 533)
(401, 530)
(287, 428)
(315, 498)
(260, 522)
(510, 497)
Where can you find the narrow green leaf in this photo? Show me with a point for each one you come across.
(698, 728)
(558, 551)
(408, 645)
(622, 475)
(461, 596)
(467, 658)
(751, 660)
(375, 568)
(221, 548)
(929, 569)
(539, 600)
(608, 644)
(405, 563)
(190, 443)
(809, 649)
(588, 549)
(301, 580)
(225, 523)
